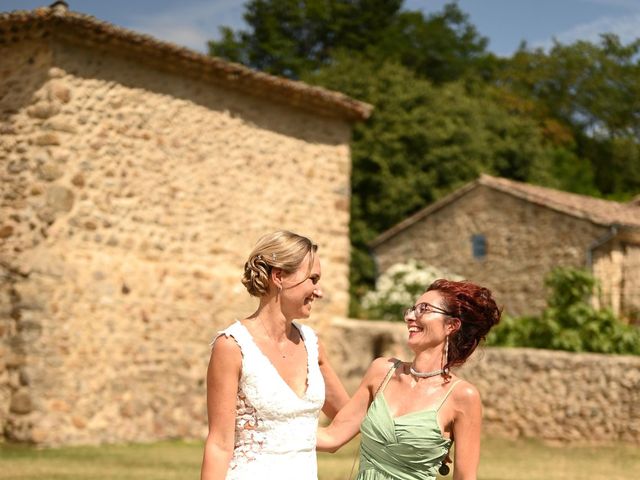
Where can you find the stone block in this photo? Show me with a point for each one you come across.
(21, 402)
(56, 72)
(59, 90)
(49, 172)
(6, 231)
(45, 139)
(59, 198)
(60, 155)
(7, 129)
(78, 180)
(24, 377)
(16, 359)
(58, 405)
(79, 421)
(43, 110)
(60, 125)
(18, 166)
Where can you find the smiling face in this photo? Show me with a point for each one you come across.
(429, 329)
(300, 289)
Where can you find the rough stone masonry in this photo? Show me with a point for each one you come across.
(132, 191)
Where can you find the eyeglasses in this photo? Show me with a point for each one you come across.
(422, 308)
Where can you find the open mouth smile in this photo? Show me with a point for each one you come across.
(414, 329)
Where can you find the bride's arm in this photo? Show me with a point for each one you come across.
(346, 424)
(336, 396)
(222, 387)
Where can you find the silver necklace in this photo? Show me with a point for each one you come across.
(418, 374)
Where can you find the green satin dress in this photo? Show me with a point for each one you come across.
(408, 447)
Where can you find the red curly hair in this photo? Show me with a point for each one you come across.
(477, 311)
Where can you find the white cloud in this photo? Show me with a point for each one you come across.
(193, 24)
(627, 28)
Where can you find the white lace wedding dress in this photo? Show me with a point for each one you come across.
(275, 435)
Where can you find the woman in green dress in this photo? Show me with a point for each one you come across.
(409, 413)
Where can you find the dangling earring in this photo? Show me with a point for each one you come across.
(446, 355)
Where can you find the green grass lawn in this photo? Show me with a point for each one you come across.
(501, 460)
(162, 461)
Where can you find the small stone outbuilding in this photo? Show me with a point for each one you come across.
(135, 178)
(509, 235)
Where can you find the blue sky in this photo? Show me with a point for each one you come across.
(505, 22)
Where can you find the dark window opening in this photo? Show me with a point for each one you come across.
(478, 246)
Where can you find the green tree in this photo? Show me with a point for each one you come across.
(593, 92)
(441, 47)
(291, 37)
(422, 142)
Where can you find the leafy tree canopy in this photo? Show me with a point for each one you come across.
(289, 37)
(293, 37)
(593, 92)
(422, 142)
(593, 87)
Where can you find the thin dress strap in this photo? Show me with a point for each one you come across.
(446, 395)
(386, 379)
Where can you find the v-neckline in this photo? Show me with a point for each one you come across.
(422, 410)
(306, 384)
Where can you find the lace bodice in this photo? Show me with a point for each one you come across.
(275, 435)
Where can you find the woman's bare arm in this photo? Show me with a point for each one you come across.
(466, 432)
(222, 388)
(346, 424)
(336, 396)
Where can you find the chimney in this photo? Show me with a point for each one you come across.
(60, 7)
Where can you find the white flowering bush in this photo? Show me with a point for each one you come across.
(398, 287)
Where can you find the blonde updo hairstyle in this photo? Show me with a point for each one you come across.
(282, 249)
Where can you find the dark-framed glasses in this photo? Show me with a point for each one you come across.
(424, 307)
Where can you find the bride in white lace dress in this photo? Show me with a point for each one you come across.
(268, 376)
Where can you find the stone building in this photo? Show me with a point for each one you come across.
(509, 235)
(136, 176)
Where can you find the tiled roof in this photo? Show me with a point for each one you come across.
(58, 22)
(595, 210)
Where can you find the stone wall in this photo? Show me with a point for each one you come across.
(524, 242)
(130, 199)
(550, 395)
(609, 267)
(631, 287)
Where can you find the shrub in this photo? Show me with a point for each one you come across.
(398, 287)
(569, 322)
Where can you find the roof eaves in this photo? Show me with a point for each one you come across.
(495, 184)
(76, 27)
(492, 182)
(630, 235)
